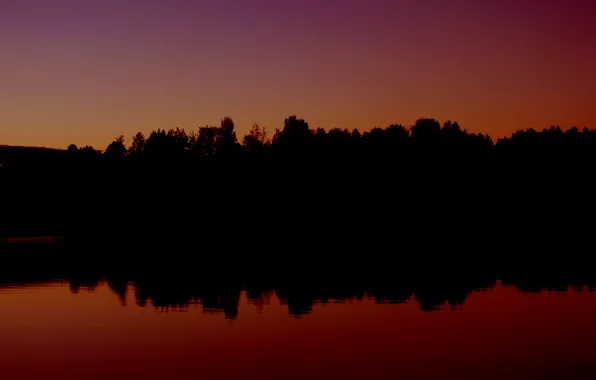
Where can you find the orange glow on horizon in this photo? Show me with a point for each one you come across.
(86, 72)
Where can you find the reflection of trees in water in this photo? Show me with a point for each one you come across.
(83, 285)
(536, 284)
(431, 295)
(170, 279)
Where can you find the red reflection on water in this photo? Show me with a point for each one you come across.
(49, 333)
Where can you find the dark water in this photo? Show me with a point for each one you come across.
(49, 331)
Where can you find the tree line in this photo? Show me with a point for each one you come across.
(297, 140)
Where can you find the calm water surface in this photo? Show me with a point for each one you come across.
(49, 332)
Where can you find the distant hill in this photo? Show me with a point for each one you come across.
(24, 153)
(17, 148)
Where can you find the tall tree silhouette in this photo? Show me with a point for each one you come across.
(138, 143)
(206, 141)
(426, 131)
(294, 138)
(226, 143)
(170, 144)
(256, 141)
(88, 151)
(116, 149)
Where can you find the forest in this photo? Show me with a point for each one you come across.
(309, 187)
(427, 138)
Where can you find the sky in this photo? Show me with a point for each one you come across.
(86, 71)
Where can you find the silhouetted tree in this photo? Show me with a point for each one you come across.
(156, 144)
(179, 140)
(116, 149)
(226, 143)
(294, 138)
(340, 143)
(162, 144)
(426, 131)
(452, 133)
(256, 142)
(206, 141)
(138, 143)
(397, 134)
(88, 152)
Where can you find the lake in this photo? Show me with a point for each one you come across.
(100, 330)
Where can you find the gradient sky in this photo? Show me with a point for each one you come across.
(85, 71)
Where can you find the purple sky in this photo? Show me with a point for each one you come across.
(85, 71)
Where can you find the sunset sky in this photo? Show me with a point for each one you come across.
(85, 71)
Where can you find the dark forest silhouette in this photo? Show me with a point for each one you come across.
(418, 189)
(430, 214)
(427, 137)
(296, 140)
